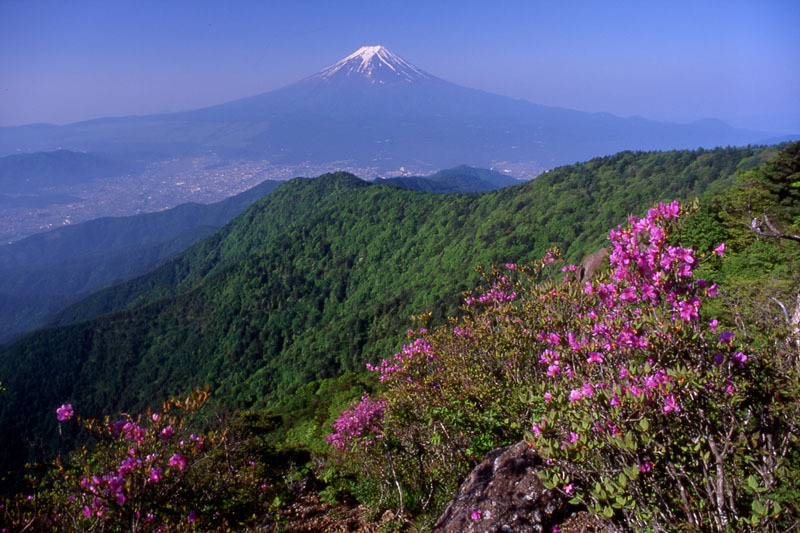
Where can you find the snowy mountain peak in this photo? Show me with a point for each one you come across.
(375, 64)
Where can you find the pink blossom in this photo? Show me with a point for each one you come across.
(595, 357)
(575, 396)
(64, 412)
(364, 418)
(476, 514)
(720, 250)
(155, 475)
(177, 461)
(670, 405)
(628, 294)
(712, 292)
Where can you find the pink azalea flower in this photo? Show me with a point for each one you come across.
(670, 405)
(476, 514)
(177, 461)
(64, 412)
(575, 396)
(155, 475)
(712, 291)
(595, 357)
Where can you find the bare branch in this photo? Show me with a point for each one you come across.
(785, 312)
(757, 225)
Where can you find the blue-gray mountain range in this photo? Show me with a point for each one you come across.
(373, 108)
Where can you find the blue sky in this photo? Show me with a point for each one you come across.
(738, 61)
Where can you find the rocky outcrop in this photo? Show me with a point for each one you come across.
(590, 264)
(504, 494)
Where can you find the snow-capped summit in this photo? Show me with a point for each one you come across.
(375, 64)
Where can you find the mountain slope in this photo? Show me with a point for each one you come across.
(318, 277)
(375, 109)
(461, 179)
(45, 272)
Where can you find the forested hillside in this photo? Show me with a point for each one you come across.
(321, 277)
(625, 384)
(43, 273)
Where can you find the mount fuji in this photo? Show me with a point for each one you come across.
(373, 108)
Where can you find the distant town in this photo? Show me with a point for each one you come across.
(168, 183)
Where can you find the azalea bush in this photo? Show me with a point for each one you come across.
(652, 414)
(158, 471)
(644, 412)
(451, 395)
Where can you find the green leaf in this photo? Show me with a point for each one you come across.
(759, 508)
(608, 512)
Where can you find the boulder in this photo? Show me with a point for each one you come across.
(503, 494)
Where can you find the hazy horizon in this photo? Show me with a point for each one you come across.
(733, 61)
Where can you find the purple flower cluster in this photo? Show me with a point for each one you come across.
(499, 294)
(64, 412)
(143, 462)
(392, 367)
(363, 420)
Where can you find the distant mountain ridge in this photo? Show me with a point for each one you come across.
(375, 109)
(29, 173)
(460, 179)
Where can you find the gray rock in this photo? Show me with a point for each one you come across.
(504, 494)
